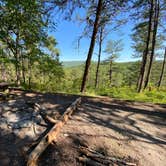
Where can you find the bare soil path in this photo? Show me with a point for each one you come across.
(117, 128)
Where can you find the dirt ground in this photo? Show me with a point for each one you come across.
(116, 128)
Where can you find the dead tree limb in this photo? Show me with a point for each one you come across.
(52, 134)
(104, 159)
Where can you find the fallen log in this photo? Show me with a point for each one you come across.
(104, 159)
(52, 134)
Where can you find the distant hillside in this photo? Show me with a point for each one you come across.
(68, 64)
(78, 63)
(72, 63)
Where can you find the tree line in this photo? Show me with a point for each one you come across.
(30, 56)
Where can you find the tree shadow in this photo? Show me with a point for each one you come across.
(13, 149)
(110, 116)
(106, 114)
(63, 153)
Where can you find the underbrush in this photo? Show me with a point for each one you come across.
(153, 95)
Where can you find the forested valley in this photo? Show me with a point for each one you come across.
(124, 101)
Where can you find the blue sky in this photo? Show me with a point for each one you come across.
(68, 32)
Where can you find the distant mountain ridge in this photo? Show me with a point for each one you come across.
(72, 63)
(67, 64)
(78, 63)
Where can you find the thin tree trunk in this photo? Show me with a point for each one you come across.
(23, 68)
(145, 53)
(155, 26)
(99, 55)
(162, 70)
(17, 53)
(3, 71)
(29, 73)
(110, 72)
(92, 44)
(142, 72)
(17, 65)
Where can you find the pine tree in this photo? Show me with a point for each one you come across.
(162, 70)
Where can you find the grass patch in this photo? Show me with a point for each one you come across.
(126, 93)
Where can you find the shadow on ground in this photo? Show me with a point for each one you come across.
(123, 118)
(119, 116)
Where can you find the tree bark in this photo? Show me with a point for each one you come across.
(99, 56)
(17, 65)
(29, 73)
(145, 53)
(92, 44)
(162, 70)
(23, 68)
(17, 51)
(155, 27)
(110, 72)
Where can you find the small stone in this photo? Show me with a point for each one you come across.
(66, 135)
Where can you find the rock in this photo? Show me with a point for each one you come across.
(66, 135)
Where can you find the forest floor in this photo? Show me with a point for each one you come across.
(118, 128)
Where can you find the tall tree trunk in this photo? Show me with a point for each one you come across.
(99, 55)
(162, 70)
(17, 51)
(29, 73)
(17, 73)
(23, 68)
(92, 44)
(3, 70)
(145, 53)
(17, 65)
(155, 26)
(110, 72)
